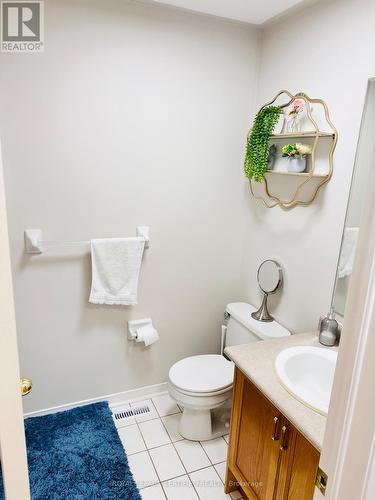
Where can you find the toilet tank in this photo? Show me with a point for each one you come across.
(242, 328)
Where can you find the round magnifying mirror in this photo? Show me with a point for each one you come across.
(270, 278)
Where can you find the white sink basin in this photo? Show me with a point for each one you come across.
(307, 373)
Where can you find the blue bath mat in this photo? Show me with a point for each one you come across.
(77, 455)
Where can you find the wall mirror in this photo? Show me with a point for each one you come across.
(362, 167)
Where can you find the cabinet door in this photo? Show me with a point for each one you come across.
(303, 470)
(298, 466)
(254, 442)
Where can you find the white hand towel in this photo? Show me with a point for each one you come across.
(349, 245)
(116, 263)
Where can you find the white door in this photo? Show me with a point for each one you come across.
(12, 435)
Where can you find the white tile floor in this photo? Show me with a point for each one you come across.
(166, 466)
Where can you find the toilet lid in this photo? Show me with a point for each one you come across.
(207, 373)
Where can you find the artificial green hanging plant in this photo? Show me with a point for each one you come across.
(257, 149)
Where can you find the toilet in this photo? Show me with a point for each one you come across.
(202, 385)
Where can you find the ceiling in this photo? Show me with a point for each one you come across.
(250, 11)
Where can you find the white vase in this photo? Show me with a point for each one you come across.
(293, 123)
(278, 129)
(298, 164)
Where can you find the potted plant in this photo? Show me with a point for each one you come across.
(297, 156)
(258, 143)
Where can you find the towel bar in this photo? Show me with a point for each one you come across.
(34, 243)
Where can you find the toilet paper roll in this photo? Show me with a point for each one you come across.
(147, 334)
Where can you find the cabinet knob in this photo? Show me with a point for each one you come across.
(275, 435)
(285, 436)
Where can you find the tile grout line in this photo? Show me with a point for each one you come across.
(168, 444)
(152, 462)
(157, 411)
(212, 464)
(175, 449)
(202, 468)
(204, 451)
(161, 484)
(128, 425)
(218, 473)
(160, 417)
(187, 473)
(151, 419)
(168, 415)
(226, 461)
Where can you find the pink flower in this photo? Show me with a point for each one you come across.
(295, 107)
(297, 103)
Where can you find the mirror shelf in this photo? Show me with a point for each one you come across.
(279, 187)
(297, 174)
(303, 134)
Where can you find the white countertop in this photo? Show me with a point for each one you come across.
(257, 361)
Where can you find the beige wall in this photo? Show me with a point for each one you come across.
(327, 52)
(133, 115)
(137, 115)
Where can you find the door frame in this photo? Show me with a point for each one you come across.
(348, 452)
(12, 432)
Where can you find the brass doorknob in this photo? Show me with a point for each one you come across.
(26, 386)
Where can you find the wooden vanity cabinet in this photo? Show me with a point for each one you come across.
(268, 458)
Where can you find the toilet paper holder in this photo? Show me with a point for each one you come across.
(134, 325)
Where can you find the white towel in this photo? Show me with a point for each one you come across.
(348, 248)
(116, 263)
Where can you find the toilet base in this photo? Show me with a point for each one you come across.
(203, 425)
(205, 416)
(195, 424)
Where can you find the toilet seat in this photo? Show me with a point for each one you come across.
(205, 375)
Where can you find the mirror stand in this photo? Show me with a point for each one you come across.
(262, 313)
(270, 278)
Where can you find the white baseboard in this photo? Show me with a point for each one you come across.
(114, 400)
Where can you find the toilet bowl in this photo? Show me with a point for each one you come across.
(202, 385)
